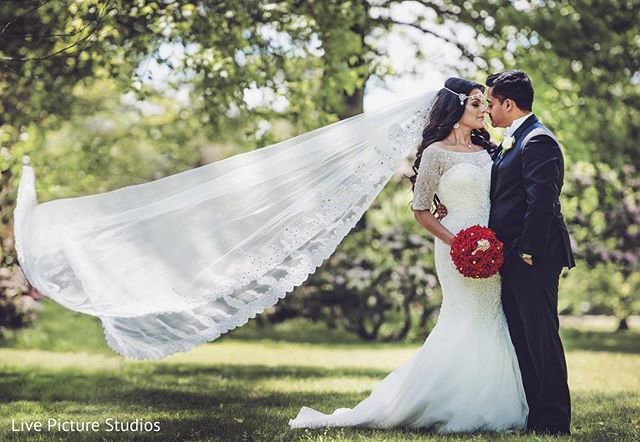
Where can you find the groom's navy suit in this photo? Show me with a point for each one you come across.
(525, 214)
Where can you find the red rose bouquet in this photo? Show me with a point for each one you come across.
(476, 252)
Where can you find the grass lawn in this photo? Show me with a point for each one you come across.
(246, 385)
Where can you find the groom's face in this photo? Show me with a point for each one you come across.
(497, 110)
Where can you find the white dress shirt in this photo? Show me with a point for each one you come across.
(509, 131)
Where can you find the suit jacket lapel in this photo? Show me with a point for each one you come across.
(494, 169)
(532, 119)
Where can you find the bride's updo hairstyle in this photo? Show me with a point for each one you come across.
(445, 112)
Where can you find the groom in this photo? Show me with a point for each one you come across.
(526, 180)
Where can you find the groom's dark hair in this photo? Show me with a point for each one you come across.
(515, 85)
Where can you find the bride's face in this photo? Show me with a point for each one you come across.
(473, 116)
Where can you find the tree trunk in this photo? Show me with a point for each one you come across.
(353, 105)
(331, 320)
(407, 322)
(404, 331)
(623, 325)
(281, 315)
(424, 318)
(377, 319)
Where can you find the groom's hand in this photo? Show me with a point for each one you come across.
(526, 258)
(441, 211)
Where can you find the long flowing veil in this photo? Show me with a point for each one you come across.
(178, 261)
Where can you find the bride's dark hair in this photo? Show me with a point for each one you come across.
(445, 112)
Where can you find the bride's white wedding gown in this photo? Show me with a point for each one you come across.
(465, 377)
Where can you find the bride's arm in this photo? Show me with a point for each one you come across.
(427, 180)
(435, 227)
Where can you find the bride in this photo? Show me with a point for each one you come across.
(466, 376)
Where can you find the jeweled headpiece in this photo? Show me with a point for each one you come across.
(462, 96)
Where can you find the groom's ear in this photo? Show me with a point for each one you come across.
(509, 104)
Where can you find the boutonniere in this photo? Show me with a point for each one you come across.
(506, 144)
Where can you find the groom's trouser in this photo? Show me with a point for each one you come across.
(530, 302)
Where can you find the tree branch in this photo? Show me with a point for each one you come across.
(32, 34)
(460, 46)
(14, 19)
(66, 48)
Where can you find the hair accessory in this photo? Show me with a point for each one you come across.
(460, 95)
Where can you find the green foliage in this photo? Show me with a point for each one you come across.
(17, 303)
(601, 289)
(602, 206)
(47, 48)
(110, 140)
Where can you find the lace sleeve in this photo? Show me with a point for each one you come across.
(427, 180)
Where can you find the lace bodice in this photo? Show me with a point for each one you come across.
(435, 163)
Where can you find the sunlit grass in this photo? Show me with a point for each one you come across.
(244, 388)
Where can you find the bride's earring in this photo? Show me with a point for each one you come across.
(457, 125)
